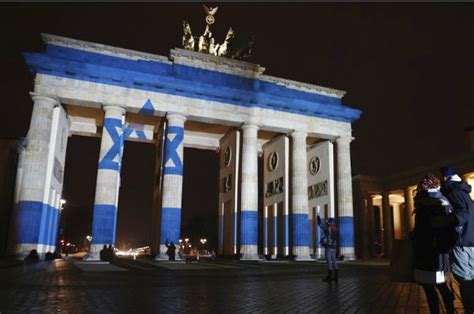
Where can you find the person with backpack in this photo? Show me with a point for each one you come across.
(328, 240)
(457, 192)
(433, 224)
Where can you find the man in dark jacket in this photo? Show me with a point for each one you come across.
(457, 192)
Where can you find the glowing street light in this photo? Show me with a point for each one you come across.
(89, 238)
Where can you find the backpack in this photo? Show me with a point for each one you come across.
(328, 240)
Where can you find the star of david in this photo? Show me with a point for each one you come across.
(113, 156)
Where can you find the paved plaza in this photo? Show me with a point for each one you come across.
(207, 287)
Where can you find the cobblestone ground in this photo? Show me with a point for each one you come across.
(60, 286)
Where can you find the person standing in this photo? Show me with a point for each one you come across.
(328, 240)
(433, 218)
(457, 192)
(171, 251)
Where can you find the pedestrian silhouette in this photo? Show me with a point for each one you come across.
(329, 242)
(103, 253)
(32, 257)
(171, 251)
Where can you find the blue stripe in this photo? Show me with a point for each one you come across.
(346, 231)
(28, 221)
(248, 227)
(287, 230)
(301, 230)
(183, 72)
(35, 223)
(103, 224)
(44, 224)
(50, 222)
(185, 81)
(170, 225)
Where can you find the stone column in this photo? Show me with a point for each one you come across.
(33, 206)
(249, 194)
(172, 198)
(387, 225)
(409, 208)
(364, 236)
(344, 197)
(371, 225)
(300, 210)
(172, 194)
(104, 222)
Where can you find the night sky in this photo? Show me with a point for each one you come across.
(408, 67)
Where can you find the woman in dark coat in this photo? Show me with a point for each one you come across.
(432, 219)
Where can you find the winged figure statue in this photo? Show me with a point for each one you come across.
(211, 10)
(188, 39)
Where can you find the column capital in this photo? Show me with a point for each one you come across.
(176, 117)
(298, 134)
(249, 125)
(52, 99)
(344, 139)
(119, 109)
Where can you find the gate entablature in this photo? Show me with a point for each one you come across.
(152, 98)
(198, 85)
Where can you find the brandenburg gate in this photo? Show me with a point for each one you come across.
(201, 99)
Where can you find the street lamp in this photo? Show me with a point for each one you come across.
(203, 242)
(87, 244)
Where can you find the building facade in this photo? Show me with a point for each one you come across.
(384, 207)
(188, 99)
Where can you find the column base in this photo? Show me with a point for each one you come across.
(94, 253)
(23, 250)
(249, 257)
(248, 252)
(301, 253)
(348, 253)
(91, 257)
(319, 254)
(304, 258)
